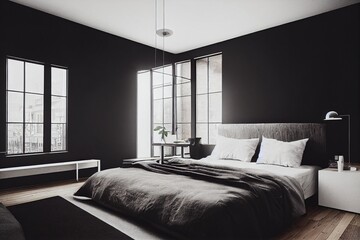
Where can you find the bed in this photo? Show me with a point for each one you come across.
(213, 198)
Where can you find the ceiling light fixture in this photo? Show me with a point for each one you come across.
(164, 32)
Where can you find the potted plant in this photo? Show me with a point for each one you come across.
(162, 131)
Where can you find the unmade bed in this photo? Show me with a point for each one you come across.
(216, 198)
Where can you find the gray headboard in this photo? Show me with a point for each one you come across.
(315, 151)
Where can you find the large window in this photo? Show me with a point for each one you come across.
(163, 100)
(26, 107)
(208, 97)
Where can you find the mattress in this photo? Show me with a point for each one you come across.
(305, 175)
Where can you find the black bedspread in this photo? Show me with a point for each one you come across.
(194, 200)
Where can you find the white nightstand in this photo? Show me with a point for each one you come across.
(340, 190)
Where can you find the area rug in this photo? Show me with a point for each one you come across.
(57, 218)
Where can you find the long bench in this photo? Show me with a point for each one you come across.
(30, 170)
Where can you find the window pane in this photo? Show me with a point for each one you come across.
(168, 105)
(184, 109)
(168, 92)
(15, 107)
(58, 81)
(58, 137)
(168, 80)
(34, 108)
(183, 89)
(157, 79)
(58, 109)
(201, 76)
(215, 107)
(183, 70)
(215, 73)
(183, 131)
(202, 131)
(158, 93)
(34, 138)
(158, 111)
(15, 74)
(14, 138)
(202, 108)
(213, 130)
(34, 78)
(162, 76)
(168, 70)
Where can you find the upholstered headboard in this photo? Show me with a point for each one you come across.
(315, 151)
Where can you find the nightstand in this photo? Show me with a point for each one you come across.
(340, 190)
(162, 145)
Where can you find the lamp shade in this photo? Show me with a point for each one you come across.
(332, 115)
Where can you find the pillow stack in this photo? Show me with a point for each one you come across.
(272, 151)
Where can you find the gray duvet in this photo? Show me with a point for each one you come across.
(194, 200)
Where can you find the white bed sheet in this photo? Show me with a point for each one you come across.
(306, 175)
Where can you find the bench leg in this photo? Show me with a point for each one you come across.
(98, 165)
(77, 172)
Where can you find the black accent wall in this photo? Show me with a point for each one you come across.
(295, 72)
(102, 83)
(291, 73)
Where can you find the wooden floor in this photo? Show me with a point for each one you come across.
(319, 222)
(15, 196)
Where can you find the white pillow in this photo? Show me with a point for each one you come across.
(233, 148)
(288, 154)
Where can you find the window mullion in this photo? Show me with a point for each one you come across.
(47, 109)
(23, 151)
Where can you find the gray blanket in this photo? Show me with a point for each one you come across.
(194, 200)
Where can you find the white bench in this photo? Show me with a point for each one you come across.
(29, 170)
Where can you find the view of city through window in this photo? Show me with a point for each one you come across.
(25, 107)
(58, 108)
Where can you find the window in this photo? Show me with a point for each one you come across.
(208, 97)
(163, 99)
(58, 108)
(162, 104)
(25, 107)
(27, 102)
(183, 101)
(144, 127)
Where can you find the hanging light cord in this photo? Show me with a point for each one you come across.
(155, 29)
(163, 68)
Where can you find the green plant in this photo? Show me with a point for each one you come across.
(162, 131)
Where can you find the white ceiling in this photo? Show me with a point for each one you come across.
(195, 23)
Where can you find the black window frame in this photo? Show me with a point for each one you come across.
(208, 97)
(47, 123)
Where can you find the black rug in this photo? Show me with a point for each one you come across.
(57, 218)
